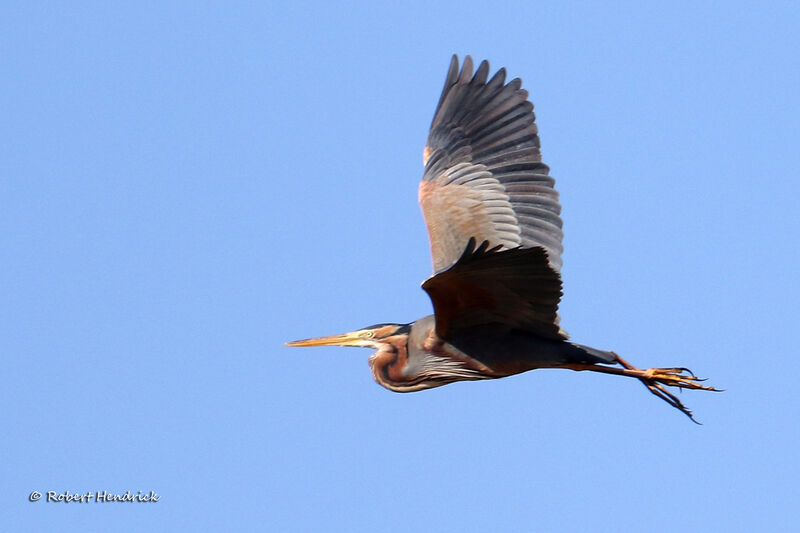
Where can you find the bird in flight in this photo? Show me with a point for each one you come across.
(493, 220)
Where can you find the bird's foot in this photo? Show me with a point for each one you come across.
(655, 379)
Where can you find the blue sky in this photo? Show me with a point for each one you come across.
(186, 186)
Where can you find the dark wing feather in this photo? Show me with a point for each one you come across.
(517, 288)
(484, 176)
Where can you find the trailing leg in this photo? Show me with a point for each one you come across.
(655, 379)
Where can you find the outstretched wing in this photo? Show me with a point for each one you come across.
(517, 288)
(484, 177)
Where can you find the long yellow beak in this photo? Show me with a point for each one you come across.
(345, 339)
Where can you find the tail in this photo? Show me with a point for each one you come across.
(587, 354)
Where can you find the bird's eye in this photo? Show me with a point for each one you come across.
(367, 334)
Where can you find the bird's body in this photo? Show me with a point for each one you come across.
(494, 223)
(415, 362)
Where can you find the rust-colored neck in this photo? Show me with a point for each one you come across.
(389, 362)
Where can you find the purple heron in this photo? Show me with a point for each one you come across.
(492, 214)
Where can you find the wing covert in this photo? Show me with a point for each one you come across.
(517, 288)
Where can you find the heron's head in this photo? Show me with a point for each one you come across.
(375, 336)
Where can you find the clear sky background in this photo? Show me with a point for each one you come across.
(186, 186)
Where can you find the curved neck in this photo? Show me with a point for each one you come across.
(388, 363)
